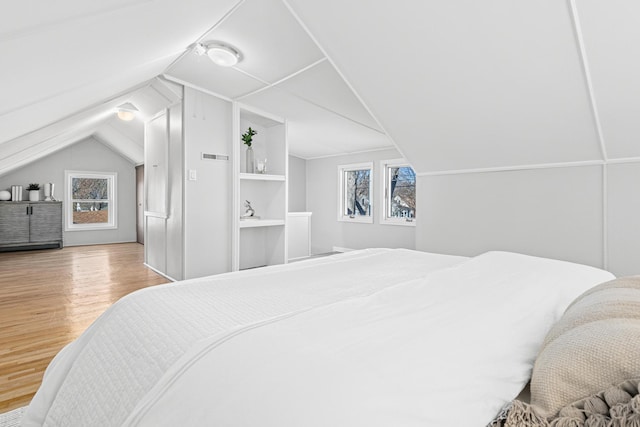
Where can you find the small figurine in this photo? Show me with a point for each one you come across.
(249, 212)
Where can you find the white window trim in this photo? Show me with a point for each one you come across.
(384, 165)
(113, 208)
(341, 170)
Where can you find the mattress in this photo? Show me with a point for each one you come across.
(375, 337)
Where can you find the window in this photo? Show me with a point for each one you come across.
(355, 193)
(91, 201)
(398, 193)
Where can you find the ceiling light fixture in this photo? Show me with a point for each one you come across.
(220, 53)
(126, 111)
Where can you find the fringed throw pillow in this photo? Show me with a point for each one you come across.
(617, 406)
(596, 344)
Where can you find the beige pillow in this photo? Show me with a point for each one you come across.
(594, 345)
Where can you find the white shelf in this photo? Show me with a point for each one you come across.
(261, 177)
(248, 223)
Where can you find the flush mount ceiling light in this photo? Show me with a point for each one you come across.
(220, 53)
(127, 111)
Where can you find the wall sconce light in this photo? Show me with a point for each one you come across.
(220, 53)
(126, 111)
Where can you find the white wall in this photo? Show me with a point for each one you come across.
(623, 220)
(554, 213)
(207, 200)
(557, 212)
(86, 155)
(297, 184)
(322, 199)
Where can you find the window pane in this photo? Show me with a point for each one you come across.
(402, 190)
(90, 188)
(90, 213)
(356, 193)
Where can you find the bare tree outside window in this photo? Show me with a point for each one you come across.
(398, 192)
(402, 191)
(355, 202)
(91, 200)
(357, 198)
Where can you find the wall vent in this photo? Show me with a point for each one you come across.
(209, 156)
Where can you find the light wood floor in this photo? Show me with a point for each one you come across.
(48, 297)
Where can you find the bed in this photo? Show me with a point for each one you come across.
(375, 337)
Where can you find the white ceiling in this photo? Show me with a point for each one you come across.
(455, 85)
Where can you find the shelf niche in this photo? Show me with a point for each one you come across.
(263, 241)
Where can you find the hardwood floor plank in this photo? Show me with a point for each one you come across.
(49, 297)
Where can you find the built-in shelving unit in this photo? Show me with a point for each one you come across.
(263, 241)
(261, 177)
(260, 223)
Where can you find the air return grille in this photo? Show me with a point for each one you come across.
(209, 156)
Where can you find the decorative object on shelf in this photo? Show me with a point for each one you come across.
(16, 193)
(250, 213)
(5, 195)
(48, 192)
(247, 138)
(261, 166)
(34, 192)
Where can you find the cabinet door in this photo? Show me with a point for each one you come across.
(45, 222)
(14, 223)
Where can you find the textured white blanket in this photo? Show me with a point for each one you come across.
(99, 379)
(445, 350)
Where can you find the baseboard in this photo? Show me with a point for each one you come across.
(339, 249)
(159, 272)
(98, 243)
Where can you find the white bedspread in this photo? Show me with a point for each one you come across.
(372, 338)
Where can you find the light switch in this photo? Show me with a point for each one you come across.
(193, 176)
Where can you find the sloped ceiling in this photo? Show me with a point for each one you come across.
(454, 85)
(284, 72)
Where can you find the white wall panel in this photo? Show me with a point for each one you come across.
(272, 43)
(175, 208)
(611, 35)
(297, 182)
(464, 84)
(555, 213)
(623, 218)
(155, 242)
(207, 205)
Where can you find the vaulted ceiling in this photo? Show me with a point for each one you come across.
(453, 84)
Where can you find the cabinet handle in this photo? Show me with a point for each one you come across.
(31, 211)
(28, 210)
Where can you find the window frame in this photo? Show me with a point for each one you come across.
(385, 166)
(112, 179)
(341, 193)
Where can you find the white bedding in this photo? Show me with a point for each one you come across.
(369, 338)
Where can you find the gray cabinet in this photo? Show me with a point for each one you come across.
(30, 225)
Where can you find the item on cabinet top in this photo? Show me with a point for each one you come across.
(5, 195)
(16, 193)
(34, 192)
(48, 192)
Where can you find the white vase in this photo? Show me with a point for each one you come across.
(34, 195)
(250, 161)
